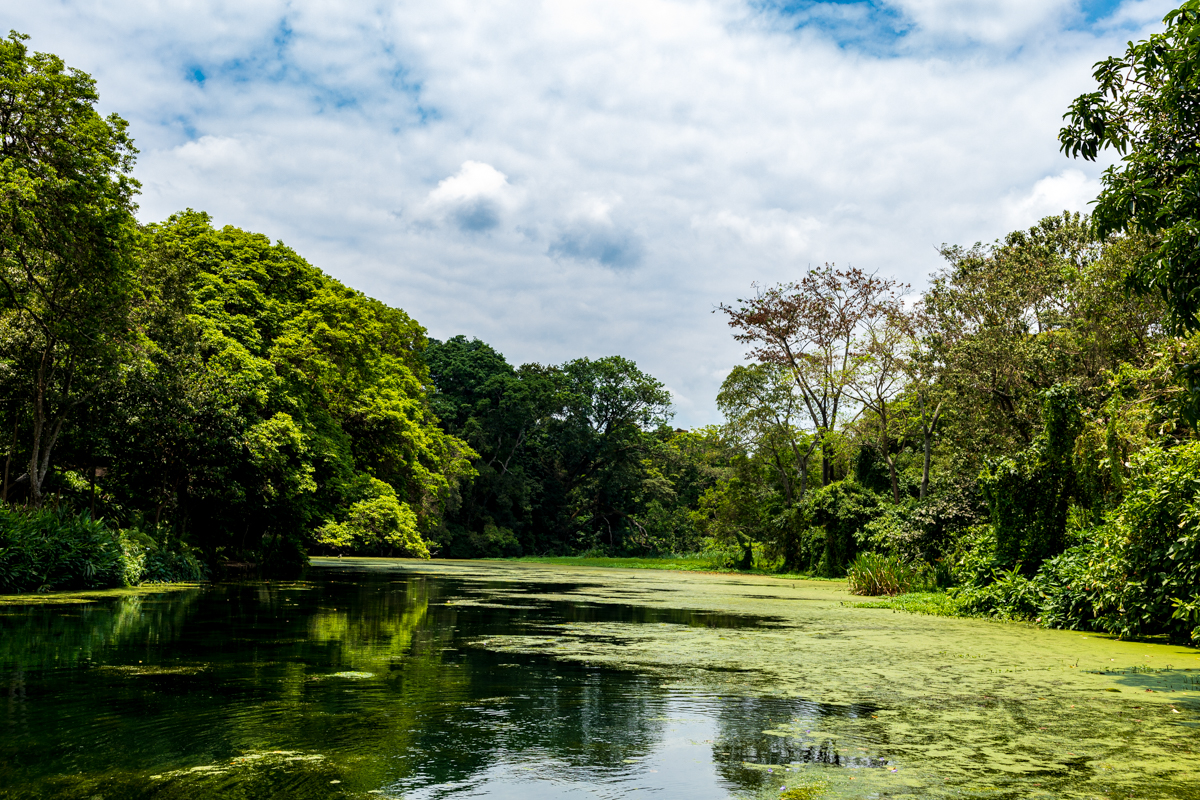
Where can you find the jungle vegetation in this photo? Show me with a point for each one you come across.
(1020, 435)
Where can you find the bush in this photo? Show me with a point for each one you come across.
(923, 530)
(167, 561)
(378, 524)
(1146, 570)
(1009, 595)
(874, 574)
(52, 549)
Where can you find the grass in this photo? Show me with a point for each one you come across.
(937, 604)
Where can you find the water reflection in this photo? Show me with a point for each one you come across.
(364, 686)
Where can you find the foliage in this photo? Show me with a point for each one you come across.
(925, 530)
(571, 458)
(937, 604)
(50, 549)
(1145, 107)
(842, 509)
(1007, 321)
(1146, 572)
(376, 524)
(266, 396)
(810, 329)
(739, 511)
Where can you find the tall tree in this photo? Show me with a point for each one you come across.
(761, 407)
(67, 241)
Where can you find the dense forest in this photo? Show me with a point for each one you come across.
(178, 399)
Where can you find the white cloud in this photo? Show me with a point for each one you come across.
(1070, 190)
(772, 229)
(475, 198)
(587, 178)
(992, 22)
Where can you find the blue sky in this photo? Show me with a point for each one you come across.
(585, 178)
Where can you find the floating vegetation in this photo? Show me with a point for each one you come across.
(264, 758)
(150, 669)
(96, 596)
(349, 675)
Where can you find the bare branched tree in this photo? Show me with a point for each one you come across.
(812, 330)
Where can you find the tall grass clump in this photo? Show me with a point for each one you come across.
(874, 574)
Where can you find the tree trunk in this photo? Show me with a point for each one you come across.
(927, 427)
(35, 483)
(12, 446)
(891, 462)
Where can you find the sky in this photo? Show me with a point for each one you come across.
(590, 178)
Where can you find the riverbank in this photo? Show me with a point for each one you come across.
(679, 563)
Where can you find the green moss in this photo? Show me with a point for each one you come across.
(685, 563)
(810, 792)
(71, 598)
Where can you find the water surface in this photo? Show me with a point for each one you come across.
(451, 680)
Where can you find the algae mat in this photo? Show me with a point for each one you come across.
(929, 706)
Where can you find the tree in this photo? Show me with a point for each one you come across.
(884, 354)
(1009, 320)
(501, 412)
(593, 455)
(923, 371)
(809, 329)
(761, 407)
(67, 241)
(1147, 108)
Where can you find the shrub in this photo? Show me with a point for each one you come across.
(923, 530)
(167, 561)
(1146, 568)
(1066, 590)
(52, 549)
(874, 574)
(1010, 595)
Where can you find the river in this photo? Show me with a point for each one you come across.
(380, 678)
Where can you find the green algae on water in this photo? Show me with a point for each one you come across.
(956, 707)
